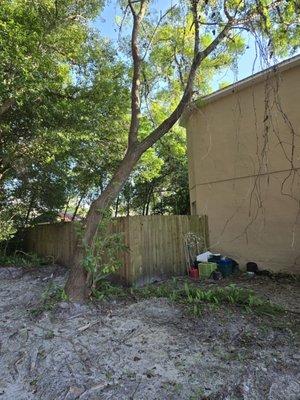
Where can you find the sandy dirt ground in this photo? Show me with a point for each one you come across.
(144, 349)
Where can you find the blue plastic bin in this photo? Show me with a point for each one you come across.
(225, 267)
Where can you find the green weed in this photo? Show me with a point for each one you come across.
(234, 296)
(106, 290)
(102, 258)
(52, 295)
(198, 394)
(24, 260)
(187, 293)
(196, 297)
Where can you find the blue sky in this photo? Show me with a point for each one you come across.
(245, 64)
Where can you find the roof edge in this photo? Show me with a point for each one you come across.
(240, 85)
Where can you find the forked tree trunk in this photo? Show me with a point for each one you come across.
(76, 287)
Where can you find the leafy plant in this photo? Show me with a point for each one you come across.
(103, 257)
(196, 297)
(23, 260)
(7, 228)
(105, 290)
(231, 294)
(49, 299)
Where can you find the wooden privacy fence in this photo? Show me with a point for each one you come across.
(155, 244)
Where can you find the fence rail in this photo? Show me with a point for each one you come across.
(155, 244)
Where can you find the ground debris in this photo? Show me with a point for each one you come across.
(146, 349)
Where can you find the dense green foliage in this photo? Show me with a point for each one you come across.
(63, 95)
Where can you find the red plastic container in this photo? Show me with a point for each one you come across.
(194, 273)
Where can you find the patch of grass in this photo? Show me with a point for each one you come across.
(130, 374)
(196, 297)
(49, 299)
(23, 260)
(230, 295)
(284, 276)
(186, 292)
(171, 290)
(106, 290)
(198, 394)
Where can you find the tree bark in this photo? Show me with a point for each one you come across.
(117, 206)
(77, 206)
(66, 209)
(149, 194)
(29, 210)
(76, 286)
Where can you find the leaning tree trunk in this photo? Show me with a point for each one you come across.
(77, 287)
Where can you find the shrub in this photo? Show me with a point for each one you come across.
(23, 260)
(103, 257)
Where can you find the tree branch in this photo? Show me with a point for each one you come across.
(161, 18)
(136, 82)
(199, 56)
(194, 8)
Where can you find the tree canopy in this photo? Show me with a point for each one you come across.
(63, 94)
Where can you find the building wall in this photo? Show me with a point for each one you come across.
(244, 169)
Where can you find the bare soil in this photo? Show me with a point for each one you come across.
(144, 349)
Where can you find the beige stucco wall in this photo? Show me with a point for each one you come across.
(244, 170)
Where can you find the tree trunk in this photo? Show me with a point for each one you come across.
(77, 206)
(149, 194)
(29, 210)
(117, 206)
(76, 286)
(66, 209)
(128, 208)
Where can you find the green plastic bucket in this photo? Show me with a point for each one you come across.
(206, 269)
